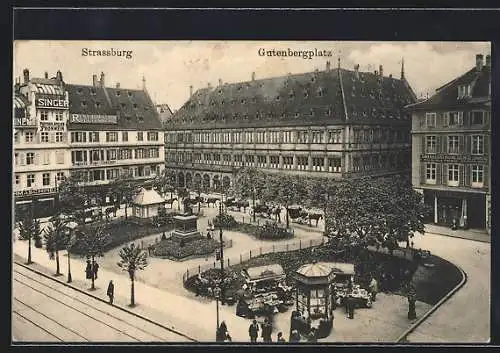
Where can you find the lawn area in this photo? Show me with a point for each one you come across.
(122, 231)
(174, 250)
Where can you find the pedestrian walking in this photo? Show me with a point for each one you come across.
(267, 329)
(253, 331)
(350, 307)
(111, 291)
(88, 270)
(95, 269)
(373, 289)
(280, 338)
(223, 329)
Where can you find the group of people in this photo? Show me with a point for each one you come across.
(91, 271)
(266, 330)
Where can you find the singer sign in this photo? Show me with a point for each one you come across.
(58, 102)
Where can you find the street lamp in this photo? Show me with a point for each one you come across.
(69, 234)
(217, 292)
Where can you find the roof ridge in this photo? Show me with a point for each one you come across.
(454, 80)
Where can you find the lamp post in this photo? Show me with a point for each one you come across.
(70, 243)
(217, 292)
(221, 253)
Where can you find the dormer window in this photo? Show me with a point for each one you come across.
(463, 91)
(97, 104)
(297, 114)
(123, 105)
(222, 102)
(118, 93)
(277, 98)
(243, 101)
(239, 88)
(311, 112)
(313, 79)
(80, 90)
(254, 100)
(135, 106)
(140, 119)
(84, 103)
(328, 112)
(283, 115)
(129, 94)
(291, 95)
(92, 91)
(306, 94)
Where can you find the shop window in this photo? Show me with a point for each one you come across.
(30, 180)
(453, 174)
(430, 173)
(46, 179)
(477, 176)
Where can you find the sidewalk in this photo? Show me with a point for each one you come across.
(470, 234)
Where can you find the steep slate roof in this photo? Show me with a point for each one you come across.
(446, 96)
(318, 97)
(134, 108)
(147, 197)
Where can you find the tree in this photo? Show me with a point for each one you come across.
(132, 258)
(285, 190)
(166, 182)
(93, 241)
(249, 183)
(319, 193)
(56, 239)
(29, 228)
(73, 198)
(123, 189)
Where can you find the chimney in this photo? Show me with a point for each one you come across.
(488, 60)
(117, 84)
(209, 85)
(144, 83)
(26, 75)
(59, 76)
(94, 80)
(375, 72)
(253, 76)
(46, 74)
(479, 62)
(191, 91)
(102, 79)
(356, 71)
(390, 75)
(17, 85)
(381, 70)
(220, 82)
(327, 66)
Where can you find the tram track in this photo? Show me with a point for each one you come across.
(86, 309)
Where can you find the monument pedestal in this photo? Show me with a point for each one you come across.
(186, 228)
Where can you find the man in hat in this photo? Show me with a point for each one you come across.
(253, 331)
(111, 291)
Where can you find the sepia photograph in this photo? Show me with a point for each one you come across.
(251, 192)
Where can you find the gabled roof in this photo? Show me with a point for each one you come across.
(20, 103)
(302, 99)
(447, 95)
(134, 108)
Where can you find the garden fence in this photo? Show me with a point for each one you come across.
(235, 260)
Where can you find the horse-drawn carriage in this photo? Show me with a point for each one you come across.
(236, 205)
(266, 211)
(302, 216)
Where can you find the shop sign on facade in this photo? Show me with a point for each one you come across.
(93, 119)
(30, 192)
(56, 102)
(444, 158)
(51, 126)
(24, 122)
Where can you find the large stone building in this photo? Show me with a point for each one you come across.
(451, 154)
(335, 123)
(41, 159)
(93, 130)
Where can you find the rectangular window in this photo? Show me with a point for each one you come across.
(30, 158)
(334, 165)
(44, 136)
(153, 136)
(94, 136)
(60, 157)
(124, 136)
(453, 147)
(60, 176)
(430, 173)
(140, 136)
(139, 153)
(44, 115)
(430, 144)
(111, 136)
(79, 137)
(430, 119)
(46, 157)
(18, 179)
(477, 118)
(249, 160)
(59, 136)
(318, 164)
(477, 176)
(317, 137)
(356, 162)
(302, 163)
(16, 137)
(111, 155)
(28, 137)
(463, 91)
(274, 162)
(455, 118)
(59, 116)
(334, 136)
(477, 144)
(288, 162)
(30, 180)
(111, 174)
(287, 137)
(46, 179)
(453, 174)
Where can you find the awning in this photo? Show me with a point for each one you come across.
(261, 273)
(46, 199)
(23, 202)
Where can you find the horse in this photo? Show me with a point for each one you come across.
(110, 210)
(315, 216)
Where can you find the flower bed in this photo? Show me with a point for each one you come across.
(176, 250)
(268, 231)
(123, 231)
